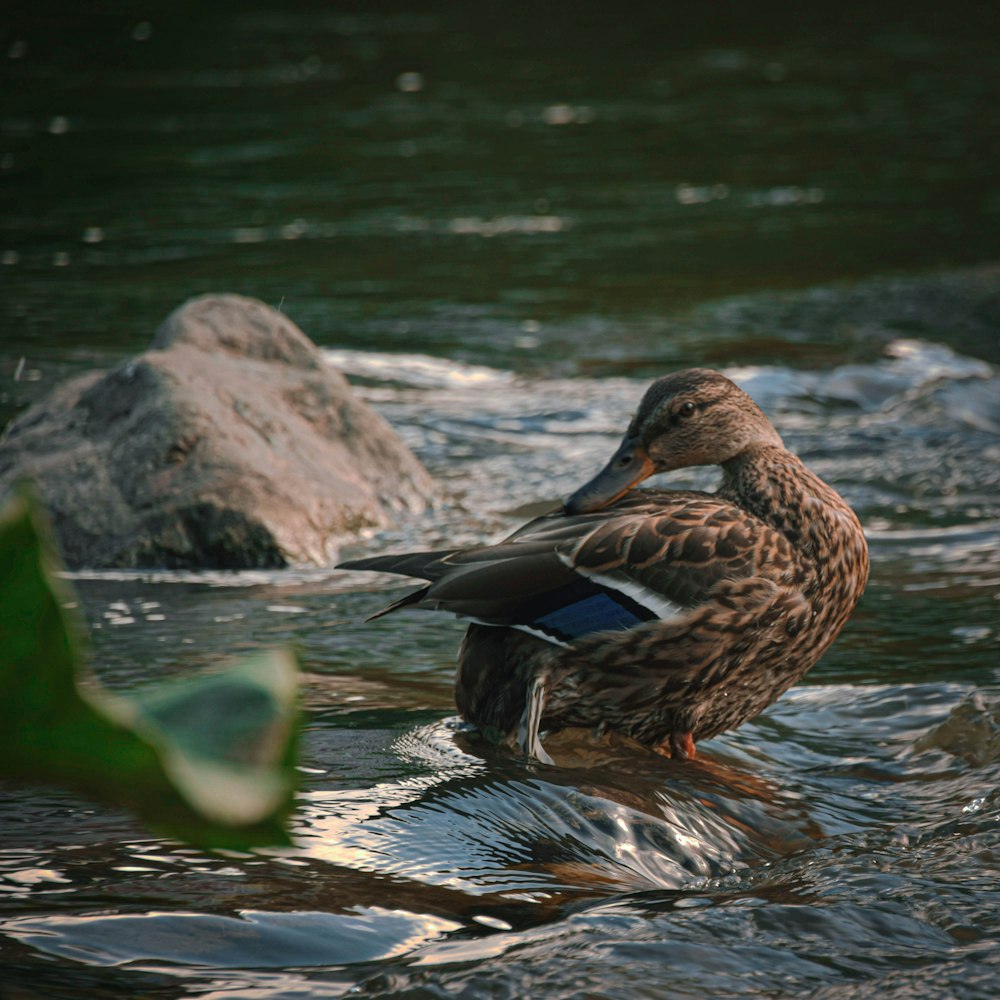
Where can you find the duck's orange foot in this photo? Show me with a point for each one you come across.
(679, 746)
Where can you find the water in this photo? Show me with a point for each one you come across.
(501, 230)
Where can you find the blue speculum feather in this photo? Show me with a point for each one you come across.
(586, 608)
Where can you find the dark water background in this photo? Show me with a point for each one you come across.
(502, 220)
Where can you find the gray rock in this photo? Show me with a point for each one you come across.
(230, 443)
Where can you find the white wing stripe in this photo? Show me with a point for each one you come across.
(537, 632)
(649, 599)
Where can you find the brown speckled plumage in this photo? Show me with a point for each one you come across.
(669, 616)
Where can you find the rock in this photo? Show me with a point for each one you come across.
(229, 444)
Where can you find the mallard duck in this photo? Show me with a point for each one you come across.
(666, 615)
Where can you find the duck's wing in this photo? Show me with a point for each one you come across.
(511, 583)
(652, 555)
(676, 546)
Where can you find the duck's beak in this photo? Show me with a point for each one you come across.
(629, 465)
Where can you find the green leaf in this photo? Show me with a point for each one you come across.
(209, 759)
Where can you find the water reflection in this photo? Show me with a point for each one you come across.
(785, 839)
(274, 940)
(536, 836)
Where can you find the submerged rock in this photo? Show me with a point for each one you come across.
(229, 443)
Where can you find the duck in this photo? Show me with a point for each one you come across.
(667, 616)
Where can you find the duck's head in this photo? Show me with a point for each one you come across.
(692, 417)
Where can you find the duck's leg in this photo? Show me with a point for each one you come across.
(528, 727)
(682, 746)
(679, 746)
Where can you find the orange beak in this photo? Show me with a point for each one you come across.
(629, 465)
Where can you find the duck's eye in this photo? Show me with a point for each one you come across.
(686, 409)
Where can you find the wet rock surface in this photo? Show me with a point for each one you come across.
(230, 443)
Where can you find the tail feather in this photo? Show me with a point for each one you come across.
(414, 597)
(423, 565)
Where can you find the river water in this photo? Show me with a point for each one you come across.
(501, 223)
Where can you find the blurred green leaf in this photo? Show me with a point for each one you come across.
(209, 759)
